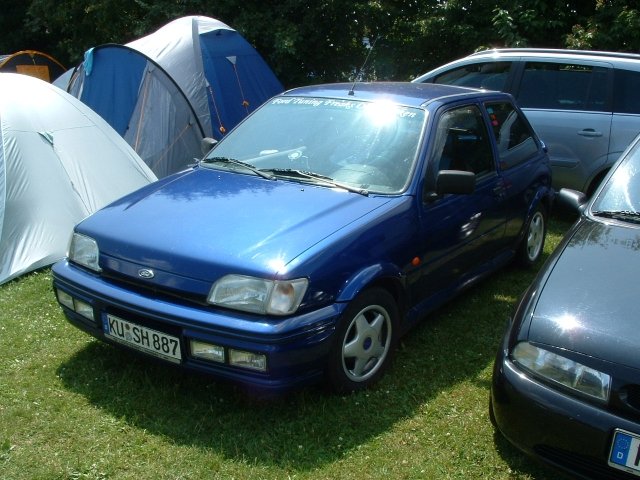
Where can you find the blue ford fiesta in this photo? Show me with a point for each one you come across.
(314, 234)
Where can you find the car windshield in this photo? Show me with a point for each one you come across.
(363, 146)
(620, 196)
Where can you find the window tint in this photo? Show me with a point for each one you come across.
(563, 86)
(488, 75)
(462, 142)
(514, 137)
(625, 97)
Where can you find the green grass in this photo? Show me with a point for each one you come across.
(73, 408)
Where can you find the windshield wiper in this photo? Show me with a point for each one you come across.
(316, 178)
(245, 165)
(623, 215)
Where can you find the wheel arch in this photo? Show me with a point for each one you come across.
(385, 276)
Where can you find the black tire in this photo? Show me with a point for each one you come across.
(364, 343)
(532, 244)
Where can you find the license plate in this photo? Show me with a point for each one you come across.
(142, 338)
(625, 452)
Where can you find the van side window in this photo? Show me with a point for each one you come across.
(625, 91)
(462, 142)
(563, 86)
(487, 75)
(514, 137)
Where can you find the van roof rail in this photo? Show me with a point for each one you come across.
(596, 53)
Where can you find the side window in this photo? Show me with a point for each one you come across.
(563, 86)
(514, 137)
(462, 142)
(487, 75)
(625, 91)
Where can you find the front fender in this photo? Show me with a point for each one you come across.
(368, 276)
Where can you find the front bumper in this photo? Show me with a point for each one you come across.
(550, 425)
(295, 347)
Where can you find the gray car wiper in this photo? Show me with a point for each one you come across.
(245, 165)
(623, 215)
(316, 178)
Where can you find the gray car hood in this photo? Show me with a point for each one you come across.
(590, 301)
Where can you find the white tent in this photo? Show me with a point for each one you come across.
(59, 162)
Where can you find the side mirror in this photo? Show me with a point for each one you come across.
(455, 181)
(459, 182)
(207, 144)
(573, 199)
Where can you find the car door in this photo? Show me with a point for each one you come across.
(568, 105)
(460, 233)
(519, 160)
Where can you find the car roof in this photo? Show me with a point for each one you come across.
(625, 60)
(402, 93)
(629, 61)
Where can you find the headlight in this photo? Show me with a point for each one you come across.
(84, 251)
(563, 371)
(256, 295)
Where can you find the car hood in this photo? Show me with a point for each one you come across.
(206, 222)
(589, 302)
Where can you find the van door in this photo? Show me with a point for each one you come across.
(626, 112)
(568, 104)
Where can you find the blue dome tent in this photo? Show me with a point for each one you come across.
(195, 77)
(142, 103)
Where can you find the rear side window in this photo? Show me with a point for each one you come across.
(626, 96)
(563, 86)
(514, 137)
(487, 75)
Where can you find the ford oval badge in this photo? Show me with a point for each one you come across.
(146, 273)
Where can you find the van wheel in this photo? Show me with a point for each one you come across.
(364, 343)
(532, 245)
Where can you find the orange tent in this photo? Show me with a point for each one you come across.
(34, 63)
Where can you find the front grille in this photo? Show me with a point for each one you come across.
(581, 466)
(152, 291)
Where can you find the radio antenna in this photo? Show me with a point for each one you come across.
(370, 47)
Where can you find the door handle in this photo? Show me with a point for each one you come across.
(589, 132)
(499, 191)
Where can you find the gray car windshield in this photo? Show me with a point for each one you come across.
(367, 146)
(620, 196)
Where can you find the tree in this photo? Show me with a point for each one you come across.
(307, 41)
(538, 23)
(614, 25)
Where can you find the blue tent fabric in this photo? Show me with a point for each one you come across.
(142, 103)
(239, 79)
(117, 71)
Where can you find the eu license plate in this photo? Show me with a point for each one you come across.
(142, 338)
(625, 452)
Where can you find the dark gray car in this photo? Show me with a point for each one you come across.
(566, 382)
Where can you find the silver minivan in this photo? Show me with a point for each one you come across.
(584, 105)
